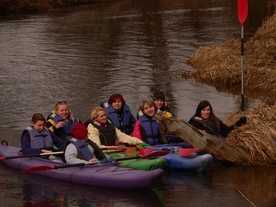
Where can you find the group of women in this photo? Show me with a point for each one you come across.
(110, 123)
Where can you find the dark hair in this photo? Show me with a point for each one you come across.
(38, 117)
(116, 96)
(202, 105)
(159, 95)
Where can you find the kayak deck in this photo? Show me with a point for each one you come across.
(108, 175)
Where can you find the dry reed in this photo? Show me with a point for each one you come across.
(220, 66)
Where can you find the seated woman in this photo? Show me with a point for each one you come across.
(37, 139)
(119, 113)
(103, 132)
(81, 149)
(146, 128)
(205, 119)
(160, 103)
(61, 121)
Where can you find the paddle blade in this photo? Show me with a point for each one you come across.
(2, 158)
(145, 151)
(38, 168)
(187, 151)
(242, 11)
(150, 152)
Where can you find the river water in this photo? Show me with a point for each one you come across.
(85, 54)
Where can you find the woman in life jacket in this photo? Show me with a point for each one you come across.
(103, 132)
(146, 127)
(160, 103)
(80, 149)
(205, 119)
(36, 138)
(119, 113)
(61, 120)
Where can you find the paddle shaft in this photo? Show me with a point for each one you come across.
(31, 155)
(242, 15)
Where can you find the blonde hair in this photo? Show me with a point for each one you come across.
(144, 102)
(58, 104)
(95, 110)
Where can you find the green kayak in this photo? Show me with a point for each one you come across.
(139, 163)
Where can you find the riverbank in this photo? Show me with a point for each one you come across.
(35, 6)
(220, 66)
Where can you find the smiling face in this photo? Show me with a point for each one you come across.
(205, 113)
(117, 105)
(159, 103)
(39, 125)
(63, 111)
(102, 118)
(149, 109)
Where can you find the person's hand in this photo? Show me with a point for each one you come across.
(241, 121)
(93, 160)
(59, 124)
(142, 145)
(45, 151)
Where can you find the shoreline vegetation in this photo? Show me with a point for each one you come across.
(220, 66)
(37, 6)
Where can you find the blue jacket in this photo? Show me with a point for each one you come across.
(123, 121)
(32, 141)
(64, 132)
(149, 129)
(85, 153)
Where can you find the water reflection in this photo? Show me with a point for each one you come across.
(46, 192)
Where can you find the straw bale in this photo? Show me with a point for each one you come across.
(220, 66)
(258, 136)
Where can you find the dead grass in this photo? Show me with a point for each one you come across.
(220, 66)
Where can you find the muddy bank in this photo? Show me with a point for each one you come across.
(35, 6)
(220, 66)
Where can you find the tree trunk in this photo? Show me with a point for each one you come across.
(207, 143)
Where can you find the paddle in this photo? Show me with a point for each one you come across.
(187, 151)
(164, 151)
(242, 15)
(46, 167)
(31, 155)
(114, 148)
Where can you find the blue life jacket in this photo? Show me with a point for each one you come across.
(42, 140)
(122, 121)
(83, 150)
(149, 129)
(68, 124)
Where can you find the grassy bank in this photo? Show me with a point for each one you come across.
(220, 66)
(35, 6)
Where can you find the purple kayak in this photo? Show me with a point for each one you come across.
(108, 175)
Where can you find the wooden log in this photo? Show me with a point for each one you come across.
(207, 143)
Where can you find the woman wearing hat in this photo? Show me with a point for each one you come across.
(119, 113)
(81, 149)
(160, 102)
